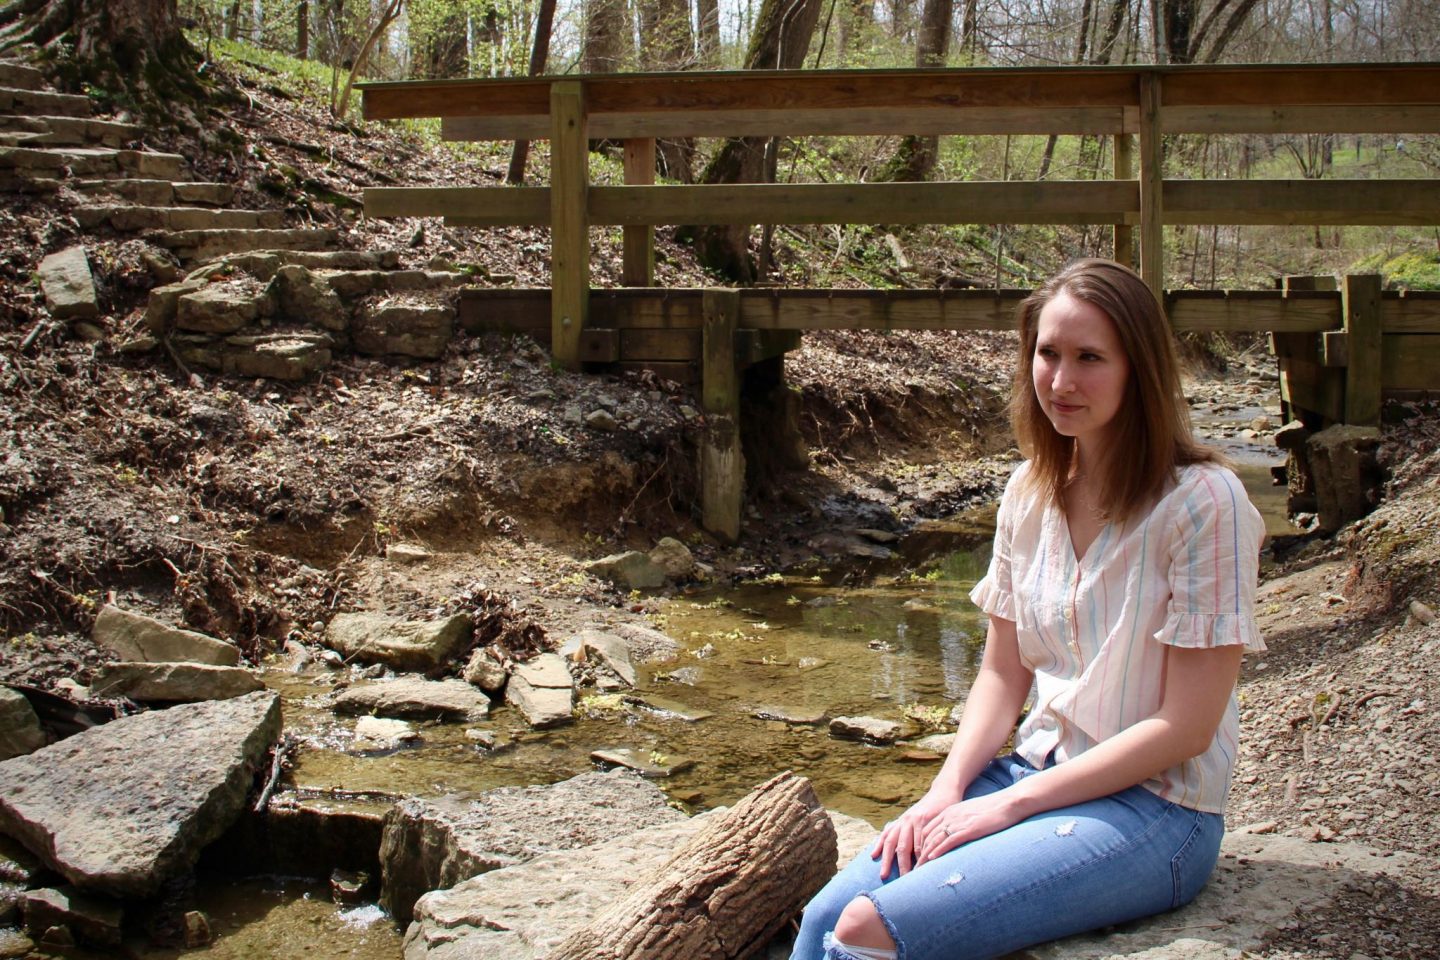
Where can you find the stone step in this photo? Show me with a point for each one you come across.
(72, 131)
(130, 218)
(44, 103)
(91, 162)
(199, 245)
(16, 138)
(19, 76)
(159, 193)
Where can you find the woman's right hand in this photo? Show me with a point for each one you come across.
(900, 842)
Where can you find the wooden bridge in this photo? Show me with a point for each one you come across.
(1339, 350)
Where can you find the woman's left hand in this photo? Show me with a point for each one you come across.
(967, 820)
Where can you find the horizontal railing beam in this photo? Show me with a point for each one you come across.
(1244, 202)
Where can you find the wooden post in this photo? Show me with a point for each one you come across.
(1124, 170)
(638, 269)
(1152, 222)
(1360, 302)
(569, 223)
(722, 464)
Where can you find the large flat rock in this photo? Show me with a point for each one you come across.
(416, 697)
(521, 912)
(431, 844)
(173, 682)
(120, 808)
(399, 644)
(141, 639)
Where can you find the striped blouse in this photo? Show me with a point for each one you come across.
(1094, 630)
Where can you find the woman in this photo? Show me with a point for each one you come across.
(1122, 589)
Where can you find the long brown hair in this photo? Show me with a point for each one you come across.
(1152, 426)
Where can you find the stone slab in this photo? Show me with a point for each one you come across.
(68, 285)
(141, 639)
(173, 682)
(20, 731)
(399, 644)
(417, 698)
(121, 808)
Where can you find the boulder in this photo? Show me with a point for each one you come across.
(164, 303)
(20, 731)
(416, 697)
(631, 570)
(1347, 479)
(305, 297)
(674, 558)
(142, 639)
(173, 682)
(90, 919)
(608, 651)
(68, 285)
(121, 808)
(647, 645)
(432, 844)
(543, 691)
(400, 644)
(291, 356)
(521, 912)
(869, 729)
(404, 328)
(221, 308)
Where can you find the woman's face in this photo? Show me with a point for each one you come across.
(1080, 370)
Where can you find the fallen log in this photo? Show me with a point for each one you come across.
(726, 892)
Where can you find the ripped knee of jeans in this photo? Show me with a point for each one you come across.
(836, 949)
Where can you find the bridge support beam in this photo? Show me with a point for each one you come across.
(722, 464)
(569, 222)
(1152, 183)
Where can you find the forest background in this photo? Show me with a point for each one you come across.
(333, 43)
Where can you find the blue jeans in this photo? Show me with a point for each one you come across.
(1121, 857)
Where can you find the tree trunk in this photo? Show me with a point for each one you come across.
(302, 30)
(708, 48)
(857, 19)
(133, 46)
(539, 53)
(728, 890)
(667, 45)
(441, 51)
(916, 157)
(780, 40)
(607, 36)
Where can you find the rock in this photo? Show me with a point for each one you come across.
(647, 645)
(20, 731)
(630, 570)
(173, 682)
(403, 328)
(432, 844)
(18, 866)
(68, 285)
(601, 420)
(141, 639)
(292, 356)
(197, 929)
(673, 557)
(521, 912)
(1422, 612)
(221, 308)
(349, 886)
(407, 553)
(877, 536)
(416, 697)
(304, 297)
(1347, 479)
(651, 765)
(795, 718)
(608, 650)
(669, 709)
(869, 551)
(382, 733)
(120, 808)
(485, 672)
(90, 919)
(936, 743)
(303, 836)
(14, 944)
(400, 644)
(543, 691)
(868, 729)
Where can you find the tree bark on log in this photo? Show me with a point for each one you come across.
(728, 891)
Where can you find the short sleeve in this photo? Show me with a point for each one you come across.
(994, 593)
(1214, 563)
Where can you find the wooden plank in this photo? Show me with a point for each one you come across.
(839, 121)
(1411, 362)
(1361, 294)
(1321, 202)
(570, 228)
(1410, 311)
(1317, 388)
(722, 464)
(1124, 169)
(685, 372)
(655, 344)
(505, 311)
(1271, 119)
(1062, 201)
(756, 346)
(1335, 349)
(1304, 84)
(638, 257)
(677, 308)
(599, 345)
(1243, 310)
(879, 309)
(1152, 206)
(463, 206)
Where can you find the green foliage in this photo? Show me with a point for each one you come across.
(1411, 270)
